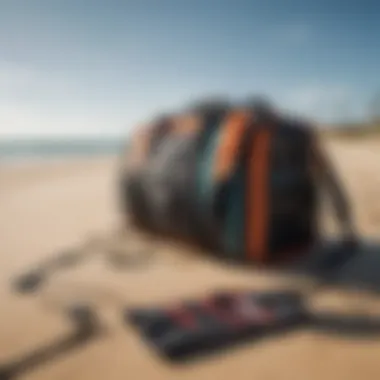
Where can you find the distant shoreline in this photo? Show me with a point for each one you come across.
(19, 161)
(19, 151)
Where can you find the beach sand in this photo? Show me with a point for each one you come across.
(45, 208)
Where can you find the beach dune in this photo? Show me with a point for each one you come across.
(48, 207)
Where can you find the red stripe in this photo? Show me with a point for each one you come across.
(223, 315)
(183, 317)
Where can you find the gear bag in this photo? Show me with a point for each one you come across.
(235, 183)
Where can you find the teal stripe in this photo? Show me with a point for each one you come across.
(206, 181)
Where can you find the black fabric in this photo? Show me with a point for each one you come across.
(200, 327)
(206, 220)
(160, 183)
(333, 262)
(134, 200)
(133, 191)
(292, 190)
(208, 329)
(181, 180)
(168, 179)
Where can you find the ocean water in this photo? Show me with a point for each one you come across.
(50, 149)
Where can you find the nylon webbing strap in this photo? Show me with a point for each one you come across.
(230, 138)
(257, 196)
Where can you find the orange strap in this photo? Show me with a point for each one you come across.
(231, 135)
(258, 195)
(186, 124)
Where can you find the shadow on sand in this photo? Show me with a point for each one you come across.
(86, 327)
(331, 264)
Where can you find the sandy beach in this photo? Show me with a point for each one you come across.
(48, 207)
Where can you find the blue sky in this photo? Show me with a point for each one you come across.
(91, 67)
